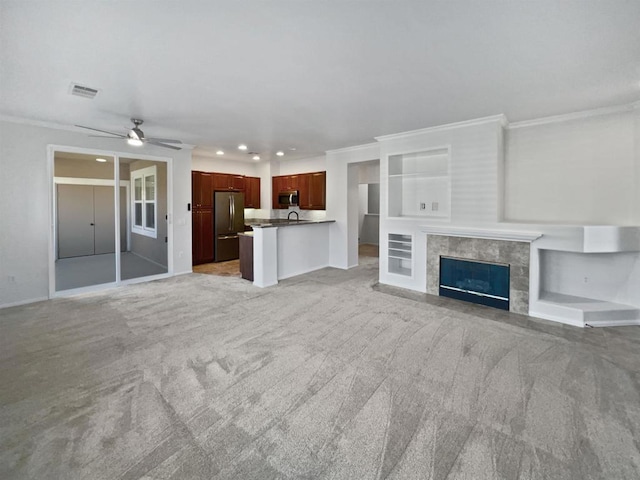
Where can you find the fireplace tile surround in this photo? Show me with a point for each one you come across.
(514, 253)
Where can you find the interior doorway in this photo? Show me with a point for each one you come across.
(101, 234)
(368, 174)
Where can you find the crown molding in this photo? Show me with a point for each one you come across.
(355, 148)
(60, 126)
(566, 117)
(501, 119)
(38, 123)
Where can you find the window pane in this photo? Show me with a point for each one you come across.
(150, 220)
(138, 215)
(137, 189)
(150, 187)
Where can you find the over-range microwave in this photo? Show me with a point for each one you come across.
(288, 198)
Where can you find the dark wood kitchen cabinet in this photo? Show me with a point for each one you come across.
(317, 191)
(284, 183)
(311, 188)
(252, 192)
(290, 182)
(246, 257)
(228, 181)
(276, 188)
(202, 235)
(201, 190)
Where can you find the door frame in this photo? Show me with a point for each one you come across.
(100, 182)
(116, 155)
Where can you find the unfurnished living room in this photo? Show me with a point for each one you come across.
(320, 239)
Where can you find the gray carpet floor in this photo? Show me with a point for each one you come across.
(324, 376)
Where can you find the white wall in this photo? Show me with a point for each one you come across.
(576, 171)
(369, 172)
(206, 163)
(25, 204)
(303, 165)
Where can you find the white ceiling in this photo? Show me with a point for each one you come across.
(313, 75)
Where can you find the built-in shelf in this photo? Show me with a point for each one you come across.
(420, 184)
(586, 311)
(400, 254)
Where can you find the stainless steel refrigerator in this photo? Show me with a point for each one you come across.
(228, 208)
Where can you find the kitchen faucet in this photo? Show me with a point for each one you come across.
(297, 216)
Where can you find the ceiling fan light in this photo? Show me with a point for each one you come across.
(135, 142)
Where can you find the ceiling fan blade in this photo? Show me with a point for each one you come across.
(104, 136)
(160, 144)
(163, 140)
(103, 131)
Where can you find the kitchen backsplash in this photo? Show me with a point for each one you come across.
(304, 214)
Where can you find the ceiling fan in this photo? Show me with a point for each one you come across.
(136, 137)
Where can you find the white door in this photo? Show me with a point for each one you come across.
(75, 221)
(86, 220)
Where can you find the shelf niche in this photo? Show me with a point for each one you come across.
(399, 253)
(420, 184)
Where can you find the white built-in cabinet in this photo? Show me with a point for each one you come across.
(420, 184)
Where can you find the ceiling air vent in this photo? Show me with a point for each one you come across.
(82, 91)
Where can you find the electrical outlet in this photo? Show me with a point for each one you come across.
(434, 206)
(423, 206)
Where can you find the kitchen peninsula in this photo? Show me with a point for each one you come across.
(286, 248)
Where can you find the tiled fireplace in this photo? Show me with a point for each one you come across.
(504, 253)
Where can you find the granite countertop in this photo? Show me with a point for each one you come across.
(246, 234)
(280, 222)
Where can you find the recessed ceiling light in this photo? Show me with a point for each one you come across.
(219, 152)
(280, 153)
(101, 160)
(292, 149)
(242, 146)
(256, 157)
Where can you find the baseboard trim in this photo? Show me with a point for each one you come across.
(23, 302)
(613, 323)
(555, 318)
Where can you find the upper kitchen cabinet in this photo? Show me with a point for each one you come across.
(201, 190)
(290, 182)
(228, 181)
(252, 192)
(317, 190)
(277, 186)
(311, 189)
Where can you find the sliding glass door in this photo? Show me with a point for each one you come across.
(106, 231)
(148, 253)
